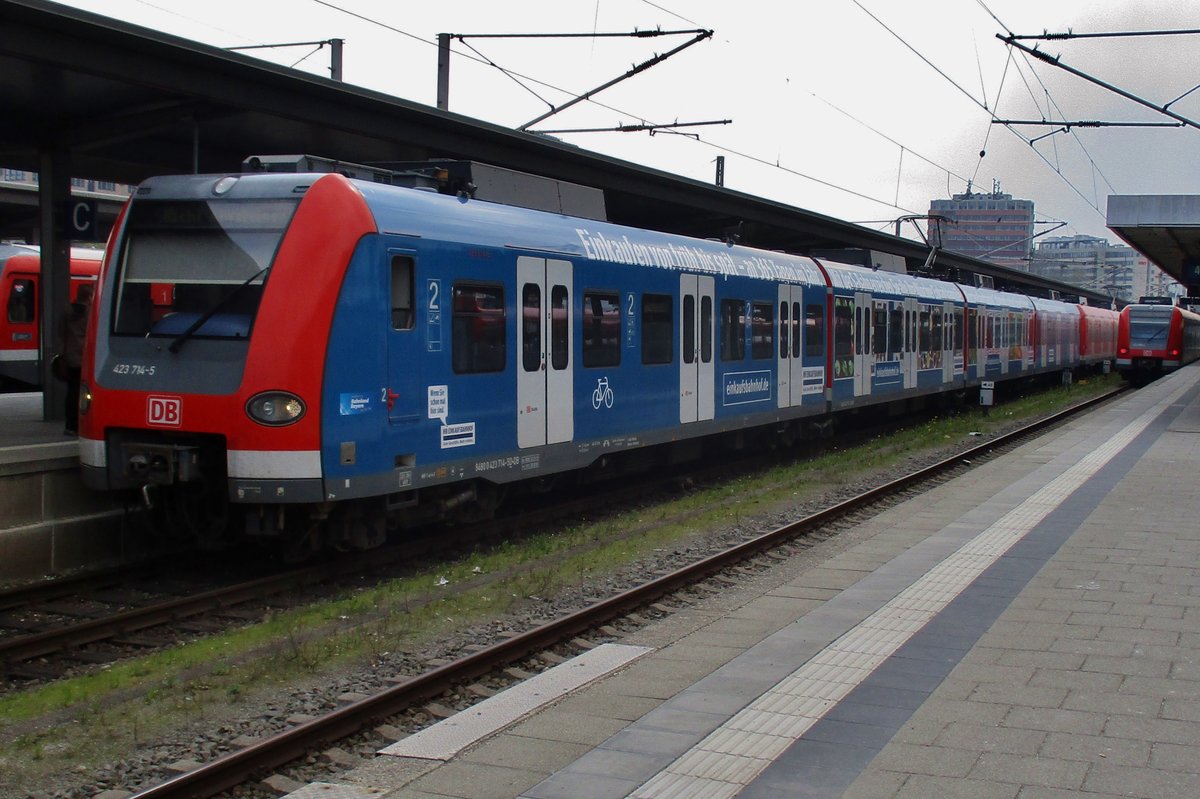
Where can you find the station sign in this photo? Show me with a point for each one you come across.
(81, 219)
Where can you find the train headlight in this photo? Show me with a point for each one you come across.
(85, 398)
(275, 408)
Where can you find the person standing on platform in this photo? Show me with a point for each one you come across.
(72, 333)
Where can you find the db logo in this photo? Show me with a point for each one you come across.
(164, 411)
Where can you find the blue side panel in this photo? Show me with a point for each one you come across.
(888, 378)
(745, 385)
(929, 378)
(643, 396)
(436, 415)
(463, 414)
(352, 408)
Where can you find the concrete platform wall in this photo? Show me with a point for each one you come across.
(50, 523)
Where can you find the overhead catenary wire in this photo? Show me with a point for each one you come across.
(715, 145)
(974, 99)
(718, 147)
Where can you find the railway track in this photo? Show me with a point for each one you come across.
(258, 758)
(52, 629)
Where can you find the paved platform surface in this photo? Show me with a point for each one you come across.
(1028, 631)
(21, 422)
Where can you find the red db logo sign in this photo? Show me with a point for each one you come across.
(164, 411)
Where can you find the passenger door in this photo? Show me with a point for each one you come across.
(864, 363)
(949, 334)
(789, 365)
(909, 358)
(697, 322)
(545, 343)
(404, 394)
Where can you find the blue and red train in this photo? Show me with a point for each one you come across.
(1154, 339)
(330, 357)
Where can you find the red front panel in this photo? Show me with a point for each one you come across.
(287, 345)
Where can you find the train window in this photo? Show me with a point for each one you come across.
(784, 332)
(478, 328)
(706, 328)
(21, 302)
(688, 328)
(531, 327)
(216, 253)
(843, 329)
(560, 321)
(402, 292)
(658, 325)
(1148, 328)
(925, 331)
(601, 329)
(938, 331)
(814, 330)
(795, 330)
(879, 330)
(860, 341)
(733, 330)
(762, 330)
(896, 330)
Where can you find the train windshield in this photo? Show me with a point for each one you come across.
(197, 267)
(1148, 327)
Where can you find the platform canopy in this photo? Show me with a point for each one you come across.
(114, 101)
(1163, 227)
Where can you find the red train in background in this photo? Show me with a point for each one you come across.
(20, 310)
(1154, 339)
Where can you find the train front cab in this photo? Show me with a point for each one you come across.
(1155, 339)
(204, 364)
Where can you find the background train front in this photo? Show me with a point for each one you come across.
(21, 343)
(1154, 339)
(334, 356)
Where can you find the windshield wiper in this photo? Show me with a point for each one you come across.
(211, 312)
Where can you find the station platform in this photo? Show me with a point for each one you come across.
(49, 522)
(1030, 630)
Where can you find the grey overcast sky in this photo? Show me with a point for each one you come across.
(863, 110)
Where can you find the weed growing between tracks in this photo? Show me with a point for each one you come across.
(75, 725)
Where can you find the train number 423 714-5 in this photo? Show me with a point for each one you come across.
(135, 369)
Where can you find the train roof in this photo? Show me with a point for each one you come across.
(9, 250)
(978, 295)
(427, 214)
(486, 223)
(1043, 304)
(876, 281)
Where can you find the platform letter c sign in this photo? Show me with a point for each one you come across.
(164, 411)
